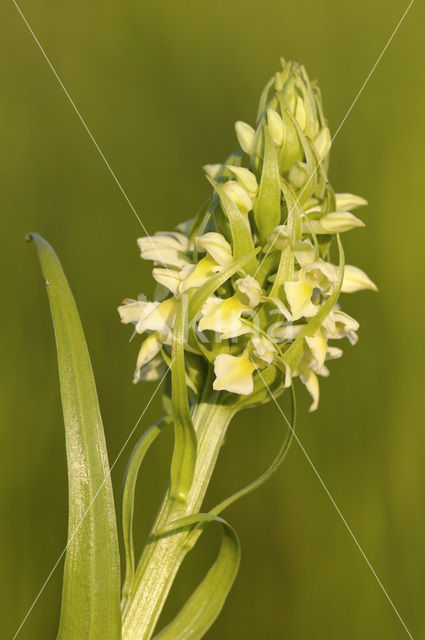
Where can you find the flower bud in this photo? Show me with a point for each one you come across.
(348, 201)
(246, 135)
(217, 246)
(275, 124)
(246, 178)
(339, 221)
(356, 280)
(322, 142)
(213, 170)
(238, 194)
(291, 150)
(298, 174)
(278, 239)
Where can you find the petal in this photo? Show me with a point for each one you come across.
(298, 294)
(223, 316)
(131, 310)
(333, 353)
(160, 317)
(154, 370)
(234, 373)
(195, 275)
(149, 349)
(309, 378)
(165, 248)
(356, 280)
(263, 349)
(168, 278)
(287, 332)
(344, 319)
(320, 274)
(304, 252)
(318, 346)
(217, 246)
(213, 170)
(249, 290)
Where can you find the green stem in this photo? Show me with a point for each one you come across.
(162, 556)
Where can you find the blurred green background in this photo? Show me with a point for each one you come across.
(160, 85)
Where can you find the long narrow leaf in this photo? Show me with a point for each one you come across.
(185, 443)
(267, 206)
(255, 484)
(128, 491)
(206, 602)
(91, 587)
(239, 225)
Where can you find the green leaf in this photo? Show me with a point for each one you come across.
(128, 491)
(206, 602)
(271, 469)
(309, 187)
(295, 352)
(185, 444)
(284, 273)
(295, 210)
(291, 149)
(264, 98)
(268, 265)
(239, 225)
(267, 206)
(91, 586)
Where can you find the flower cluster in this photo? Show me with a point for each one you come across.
(257, 262)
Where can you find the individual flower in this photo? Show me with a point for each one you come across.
(234, 373)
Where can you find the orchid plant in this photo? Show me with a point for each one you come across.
(247, 301)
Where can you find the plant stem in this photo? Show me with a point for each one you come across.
(162, 556)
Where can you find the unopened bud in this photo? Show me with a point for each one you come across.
(239, 196)
(246, 135)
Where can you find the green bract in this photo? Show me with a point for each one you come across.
(272, 196)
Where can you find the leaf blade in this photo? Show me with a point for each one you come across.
(128, 493)
(206, 602)
(239, 225)
(267, 210)
(274, 466)
(185, 442)
(91, 587)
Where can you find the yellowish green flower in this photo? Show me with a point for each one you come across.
(274, 213)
